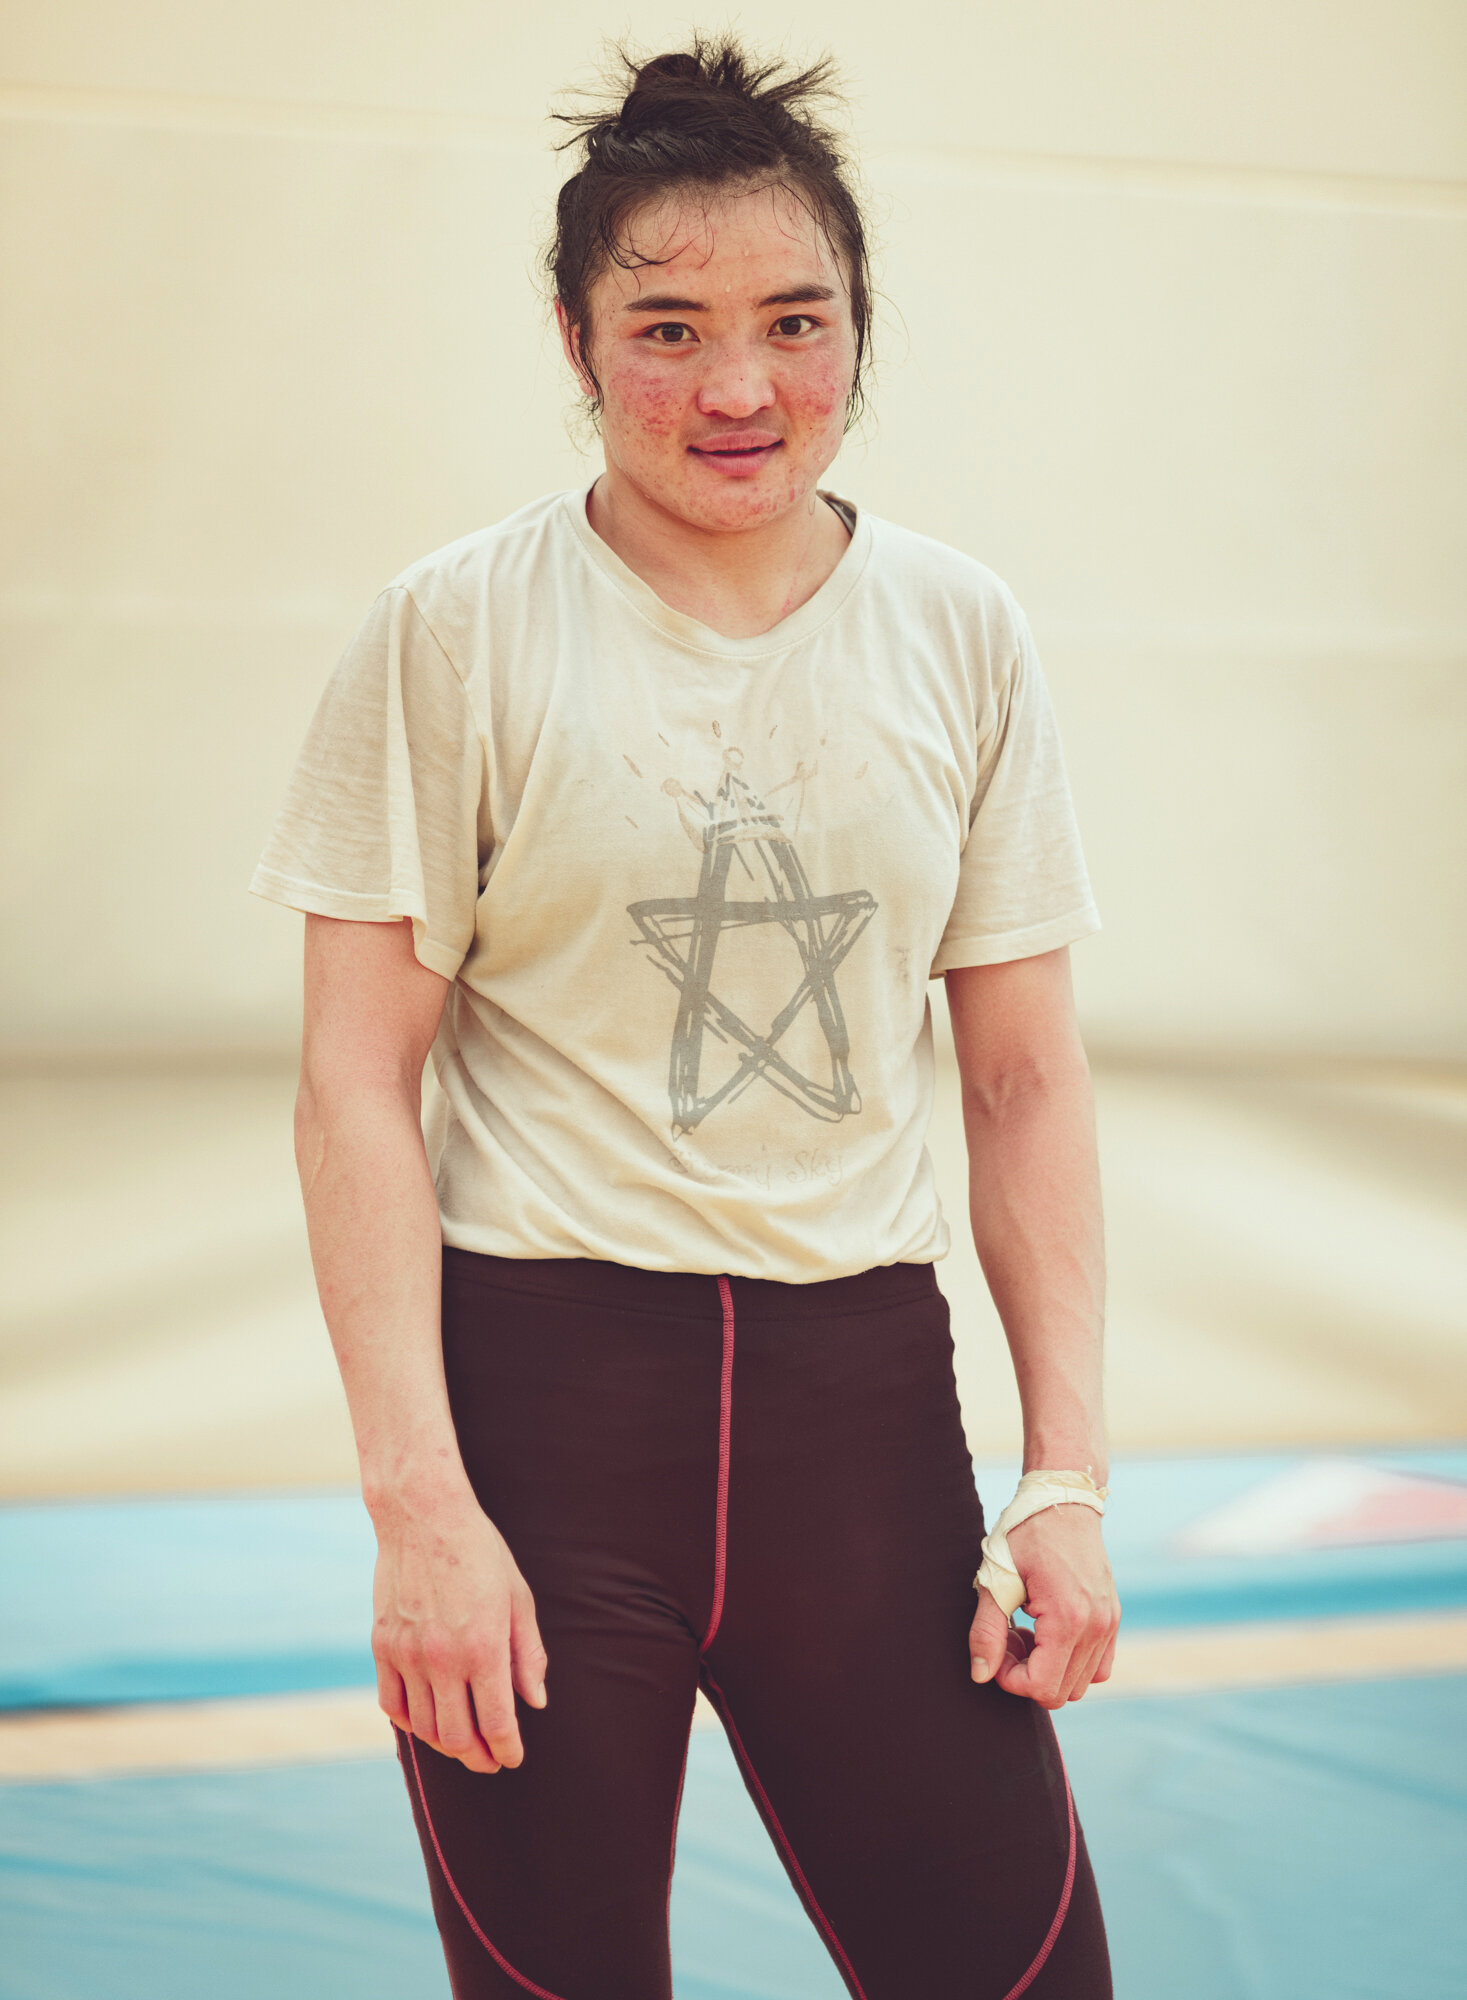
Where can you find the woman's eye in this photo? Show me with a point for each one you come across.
(792, 324)
(671, 334)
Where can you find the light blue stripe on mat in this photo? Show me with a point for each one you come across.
(1305, 1844)
(184, 1599)
(212, 1595)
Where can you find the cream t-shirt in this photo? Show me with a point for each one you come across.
(689, 889)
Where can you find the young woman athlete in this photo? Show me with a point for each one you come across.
(650, 811)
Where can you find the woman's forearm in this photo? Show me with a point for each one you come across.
(377, 1249)
(1035, 1200)
(1029, 1116)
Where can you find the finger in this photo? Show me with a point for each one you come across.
(1017, 1648)
(1090, 1657)
(391, 1694)
(528, 1659)
(1090, 1649)
(1020, 1644)
(988, 1637)
(1107, 1660)
(422, 1717)
(1070, 1658)
(1076, 1674)
(458, 1732)
(1044, 1674)
(494, 1714)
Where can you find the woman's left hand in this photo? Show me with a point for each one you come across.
(1072, 1600)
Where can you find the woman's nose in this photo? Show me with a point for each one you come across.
(735, 384)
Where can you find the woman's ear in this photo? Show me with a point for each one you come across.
(570, 344)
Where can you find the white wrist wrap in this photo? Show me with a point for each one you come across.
(1037, 1490)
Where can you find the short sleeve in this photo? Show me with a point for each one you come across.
(1022, 884)
(381, 818)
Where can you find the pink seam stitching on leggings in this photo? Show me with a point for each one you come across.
(1064, 1902)
(498, 1956)
(783, 1838)
(725, 1434)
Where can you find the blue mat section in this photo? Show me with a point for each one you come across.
(186, 1599)
(305, 1882)
(158, 1600)
(1299, 1844)
(1308, 1844)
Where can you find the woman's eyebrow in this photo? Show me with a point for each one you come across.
(664, 302)
(798, 295)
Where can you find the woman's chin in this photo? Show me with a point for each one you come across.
(731, 505)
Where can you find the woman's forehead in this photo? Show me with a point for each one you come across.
(738, 237)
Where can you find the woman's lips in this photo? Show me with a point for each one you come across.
(738, 452)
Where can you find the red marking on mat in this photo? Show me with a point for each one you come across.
(1331, 1503)
(725, 1434)
(1420, 1512)
(799, 1874)
(499, 1958)
(1023, 1985)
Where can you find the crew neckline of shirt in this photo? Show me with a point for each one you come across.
(816, 611)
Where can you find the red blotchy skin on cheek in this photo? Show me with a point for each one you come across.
(650, 403)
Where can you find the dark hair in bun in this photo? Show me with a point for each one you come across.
(706, 117)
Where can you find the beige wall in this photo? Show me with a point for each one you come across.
(1175, 343)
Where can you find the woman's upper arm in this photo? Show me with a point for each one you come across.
(1014, 1019)
(371, 1008)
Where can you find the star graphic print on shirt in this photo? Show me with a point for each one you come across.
(769, 886)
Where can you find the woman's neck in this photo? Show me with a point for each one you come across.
(740, 583)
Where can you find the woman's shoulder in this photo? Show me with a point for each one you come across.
(938, 578)
(502, 554)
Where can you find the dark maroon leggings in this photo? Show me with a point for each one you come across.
(762, 1489)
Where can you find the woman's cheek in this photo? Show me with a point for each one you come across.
(646, 400)
(818, 394)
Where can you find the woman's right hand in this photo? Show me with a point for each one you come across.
(453, 1631)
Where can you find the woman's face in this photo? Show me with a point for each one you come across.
(726, 365)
